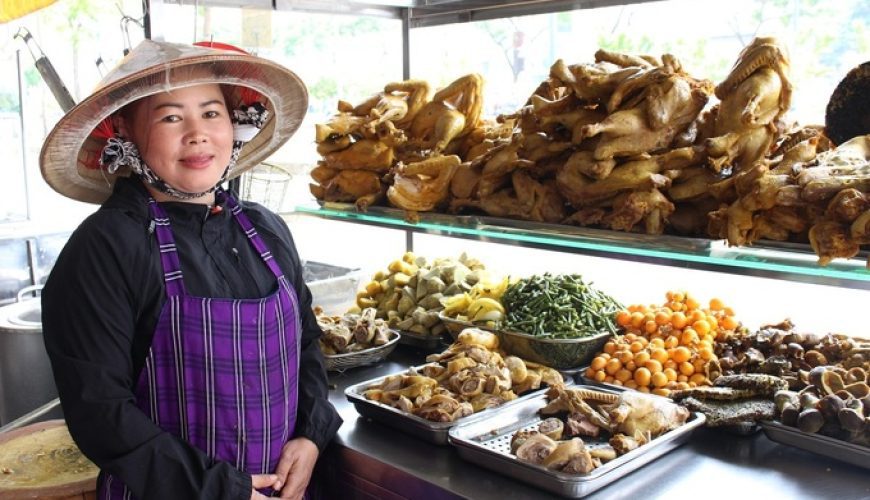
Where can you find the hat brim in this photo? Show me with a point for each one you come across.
(66, 159)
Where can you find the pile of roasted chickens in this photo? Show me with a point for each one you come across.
(404, 143)
(470, 376)
(631, 143)
(809, 193)
(631, 419)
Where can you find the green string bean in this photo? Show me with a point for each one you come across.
(560, 306)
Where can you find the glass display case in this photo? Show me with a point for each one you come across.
(789, 261)
(512, 44)
(349, 48)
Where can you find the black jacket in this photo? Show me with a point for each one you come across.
(99, 309)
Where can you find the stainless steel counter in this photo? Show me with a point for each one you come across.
(370, 460)
(376, 461)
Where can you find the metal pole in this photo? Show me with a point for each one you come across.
(406, 43)
(147, 19)
(156, 20)
(23, 135)
(31, 261)
(30, 418)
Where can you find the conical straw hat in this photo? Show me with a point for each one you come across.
(70, 154)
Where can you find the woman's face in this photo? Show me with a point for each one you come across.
(185, 136)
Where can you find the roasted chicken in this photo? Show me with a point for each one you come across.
(361, 187)
(648, 110)
(627, 142)
(754, 96)
(527, 199)
(421, 186)
(453, 112)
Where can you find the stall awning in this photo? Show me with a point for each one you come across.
(13, 9)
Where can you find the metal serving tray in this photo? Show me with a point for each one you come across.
(741, 429)
(823, 445)
(433, 432)
(487, 443)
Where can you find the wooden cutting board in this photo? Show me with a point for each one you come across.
(42, 461)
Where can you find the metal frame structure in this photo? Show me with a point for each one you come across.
(785, 262)
(412, 13)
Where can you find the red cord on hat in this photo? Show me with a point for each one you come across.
(221, 46)
(247, 95)
(105, 129)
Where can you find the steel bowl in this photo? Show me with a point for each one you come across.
(561, 354)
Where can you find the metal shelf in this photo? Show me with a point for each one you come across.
(425, 13)
(792, 262)
(420, 13)
(785, 261)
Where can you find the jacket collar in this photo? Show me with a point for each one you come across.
(131, 196)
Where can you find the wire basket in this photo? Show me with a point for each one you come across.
(267, 185)
(342, 362)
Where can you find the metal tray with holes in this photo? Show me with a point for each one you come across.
(816, 443)
(487, 443)
(433, 432)
(739, 429)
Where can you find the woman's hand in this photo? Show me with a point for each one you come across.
(295, 466)
(259, 481)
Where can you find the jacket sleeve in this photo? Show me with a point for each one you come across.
(89, 308)
(316, 419)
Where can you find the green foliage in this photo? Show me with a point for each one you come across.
(302, 36)
(8, 102)
(626, 43)
(497, 32)
(862, 35)
(324, 89)
(76, 19)
(358, 26)
(790, 11)
(814, 52)
(563, 21)
(801, 19)
(31, 77)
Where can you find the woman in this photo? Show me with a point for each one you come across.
(176, 318)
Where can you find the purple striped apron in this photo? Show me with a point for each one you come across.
(221, 374)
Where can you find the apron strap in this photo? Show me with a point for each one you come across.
(172, 276)
(250, 232)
